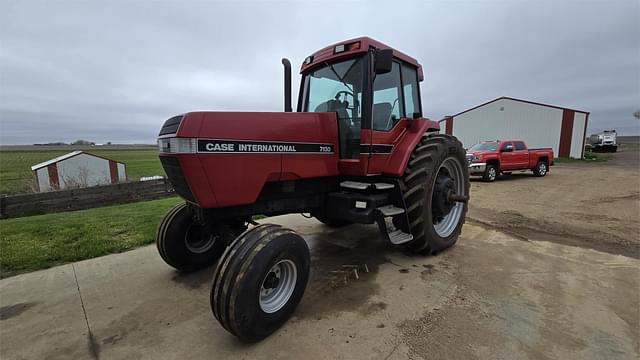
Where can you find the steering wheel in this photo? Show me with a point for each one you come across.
(337, 97)
(390, 120)
(345, 93)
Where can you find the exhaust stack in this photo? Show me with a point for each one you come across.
(287, 84)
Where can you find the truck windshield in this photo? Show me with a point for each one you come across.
(489, 146)
(337, 87)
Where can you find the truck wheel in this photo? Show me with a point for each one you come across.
(184, 244)
(490, 173)
(541, 169)
(436, 171)
(259, 281)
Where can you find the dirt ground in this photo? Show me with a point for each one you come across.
(492, 296)
(592, 205)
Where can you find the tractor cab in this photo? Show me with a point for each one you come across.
(374, 92)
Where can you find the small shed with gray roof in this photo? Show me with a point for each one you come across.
(77, 169)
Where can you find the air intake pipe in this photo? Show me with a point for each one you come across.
(287, 84)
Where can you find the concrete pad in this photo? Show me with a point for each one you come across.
(41, 316)
(491, 296)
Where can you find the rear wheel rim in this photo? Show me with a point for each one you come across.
(278, 286)
(542, 169)
(445, 226)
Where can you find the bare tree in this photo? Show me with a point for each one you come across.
(637, 114)
(79, 181)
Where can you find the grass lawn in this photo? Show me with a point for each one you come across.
(39, 242)
(15, 162)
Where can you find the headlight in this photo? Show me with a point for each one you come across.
(177, 145)
(477, 157)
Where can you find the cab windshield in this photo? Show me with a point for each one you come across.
(488, 146)
(337, 87)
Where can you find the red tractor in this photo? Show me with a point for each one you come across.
(356, 151)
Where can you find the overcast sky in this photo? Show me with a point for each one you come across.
(114, 71)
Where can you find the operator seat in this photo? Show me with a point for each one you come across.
(336, 106)
(382, 115)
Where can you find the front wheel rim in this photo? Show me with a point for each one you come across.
(278, 286)
(492, 173)
(194, 240)
(446, 226)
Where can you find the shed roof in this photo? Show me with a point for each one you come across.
(514, 99)
(65, 157)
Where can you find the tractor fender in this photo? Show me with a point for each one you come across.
(404, 147)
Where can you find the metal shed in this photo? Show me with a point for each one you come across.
(540, 125)
(78, 169)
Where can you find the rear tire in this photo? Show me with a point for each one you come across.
(490, 173)
(433, 156)
(184, 244)
(259, 281)
(541, 169)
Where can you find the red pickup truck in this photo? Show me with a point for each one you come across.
(490, 158)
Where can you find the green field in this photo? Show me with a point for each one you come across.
(38, 242)
(16, 161)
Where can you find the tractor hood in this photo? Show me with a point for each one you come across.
(259, 126)
(217, 159)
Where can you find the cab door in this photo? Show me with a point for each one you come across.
(508, 158)
(336, 89)
(521, 155)
(396, 97)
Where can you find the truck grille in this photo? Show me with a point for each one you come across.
(171, 126)
(173, 170)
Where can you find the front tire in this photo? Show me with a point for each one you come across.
(184, 244)
(259, 281)
(490, 173)
(437, 165)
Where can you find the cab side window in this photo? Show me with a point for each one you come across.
(410, 87)
(505, 146)
(519, 145)
(388, 106)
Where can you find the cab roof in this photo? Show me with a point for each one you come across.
(365, 43)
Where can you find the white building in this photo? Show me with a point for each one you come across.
(78, 169)
(540, 125)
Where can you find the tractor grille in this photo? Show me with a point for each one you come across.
(171, 126)
(176, 177)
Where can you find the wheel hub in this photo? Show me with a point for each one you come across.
(277, 286)
(443, 191)
(197, 240)
(271, 281)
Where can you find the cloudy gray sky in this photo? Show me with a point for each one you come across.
(114, 70)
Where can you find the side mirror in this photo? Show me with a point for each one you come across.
(384, 61)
